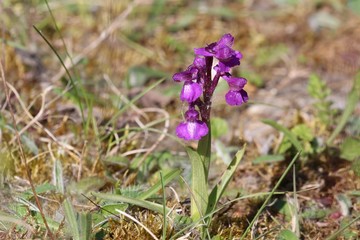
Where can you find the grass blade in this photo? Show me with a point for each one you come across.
(156, 187)
(58, 176)
(219, 189)
(85, 226)
(14, 220)
(199, 186)
(135, 99)
(351, 103)
(70, 216)
(137, 202)
(164, 207)
(286, 131)
(268, 159)
(335, 234)
(269, 196)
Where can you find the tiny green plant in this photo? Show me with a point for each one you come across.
(199, 86)
(320, 92)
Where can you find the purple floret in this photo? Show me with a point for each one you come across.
(192, 130)
(190, 92)
(236, 98)
(199, 85)
(222, 51)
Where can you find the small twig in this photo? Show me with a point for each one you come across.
(117, 23)
(81, 161)
(37, 117)
(22, 154)
(99, 207)
(25, 109)
(138, 222)
(163, 133)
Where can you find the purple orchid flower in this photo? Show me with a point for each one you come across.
(199, 85)
(190, 92)
(222, 51)
(192, 128)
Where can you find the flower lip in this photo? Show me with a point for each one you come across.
(227, 40)
(199, 62)
(222, 51)
(236, 98)
(235, 83)
(189, 74)
(192, 130)
(190, 92)
(191, 115)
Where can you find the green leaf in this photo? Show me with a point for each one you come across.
(156, 187)
(355, 166)
(317, 88)
(219, 127)
(43, 188)
(268, 159)
(85, 225)
(199, 186)
(58, 176)
(352, 101)
(118, 160)
(350, 149)
(303, 132)
(87, 184)
(220, 188)
(286, 234)
(286, 131)
(286, 208)
(70, 216)
(137, 202)
(320, 92)
(315, 214)
(105, 209)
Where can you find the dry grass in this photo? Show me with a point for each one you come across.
(107, 141)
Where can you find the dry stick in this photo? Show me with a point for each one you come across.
(38, 115)
(22, 154)
(163, 134)
(67, 147)
(117, 23)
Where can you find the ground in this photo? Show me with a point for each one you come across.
(104, 119)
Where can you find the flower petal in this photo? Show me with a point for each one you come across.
(221, 68)
(192, 130)
(190, 92)
(191, 115)
(226, 40)
(202, 52)
(182, 76)
(224, 53)
(199, 62)
(235, 84)
(236, 98)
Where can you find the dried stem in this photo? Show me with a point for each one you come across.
(22, 154)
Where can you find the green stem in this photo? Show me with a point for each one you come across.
(200, 162)
(204, 150)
